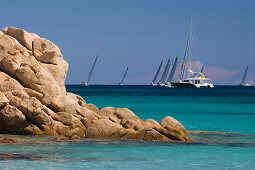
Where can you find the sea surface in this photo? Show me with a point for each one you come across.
(222, 120)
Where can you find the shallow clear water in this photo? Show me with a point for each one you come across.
(224, 109)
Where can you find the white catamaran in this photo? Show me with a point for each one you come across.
(244, 78)
(91, 71)
(193, 79)
(122, 81)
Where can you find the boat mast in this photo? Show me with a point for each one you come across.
(156, 75)
(244, 76)
(165, 73)
(172, 71)
(91, 71)
(188, 59)
(186, 53)
(121, 83)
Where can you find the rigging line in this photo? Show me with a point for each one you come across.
(184, 58)
(189, 47)
(186, 63)
(196, 52)
(191, 37)
(199, 64)
(189, 55)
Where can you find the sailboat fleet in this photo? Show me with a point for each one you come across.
(195, 79)
(186, 77)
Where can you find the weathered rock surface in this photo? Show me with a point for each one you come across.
(11, 116)
(92, 107)
(3, 100)
(34, 101)
(171, 122)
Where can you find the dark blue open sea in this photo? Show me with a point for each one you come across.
(229, 111)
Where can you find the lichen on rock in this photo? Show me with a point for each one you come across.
(34, 101)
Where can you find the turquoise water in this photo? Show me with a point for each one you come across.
(224, 109)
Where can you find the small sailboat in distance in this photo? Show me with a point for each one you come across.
(156, 75)
(121, 83)
(171, 75)
(165, 73)
(242, 83)
(91, 71)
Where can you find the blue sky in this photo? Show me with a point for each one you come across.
(139, 34)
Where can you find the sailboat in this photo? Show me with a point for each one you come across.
(194, 79)
(156, 75)
(171, 75)
(121, 83)
(242, 83)
(91, 71)
(165, 73)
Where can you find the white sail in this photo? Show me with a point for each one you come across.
(121, 83)
(244, 76)
(172, 71)
(156, 75)
(165, 73)
(202, 69)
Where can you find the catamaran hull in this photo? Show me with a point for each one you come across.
(190, 85)
(248, 84)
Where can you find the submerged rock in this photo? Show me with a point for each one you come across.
(19, 156)
(34, 101)
(7, 140)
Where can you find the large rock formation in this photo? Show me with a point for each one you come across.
(34, 101)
